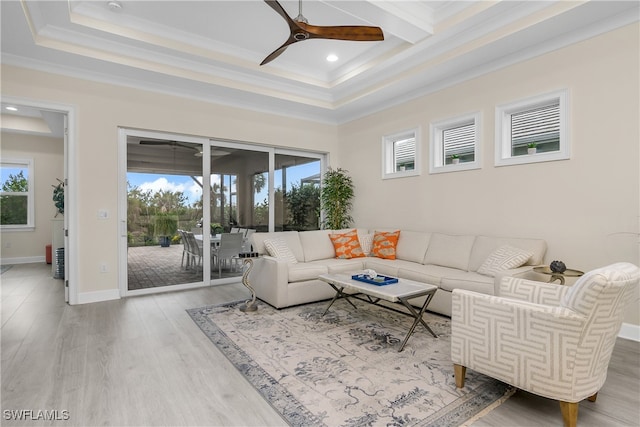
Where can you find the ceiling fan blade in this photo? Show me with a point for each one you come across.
(300, 31)
(170, 144)
(273, 55)
(343, 32)
(280, 10)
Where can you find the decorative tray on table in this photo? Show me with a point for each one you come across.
(379, 280)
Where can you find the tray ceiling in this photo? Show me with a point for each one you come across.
(211, 50)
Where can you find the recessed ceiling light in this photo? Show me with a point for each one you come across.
(11, 108)
(332, 58)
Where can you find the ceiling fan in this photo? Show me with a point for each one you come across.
(174, 144)
(215, 152)
(301, 30)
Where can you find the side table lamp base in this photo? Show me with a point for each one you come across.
(249, 305)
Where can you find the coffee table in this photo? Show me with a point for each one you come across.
(400, 292)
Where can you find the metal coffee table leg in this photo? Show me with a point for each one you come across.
(418, 318)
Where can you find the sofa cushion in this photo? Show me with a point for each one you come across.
(290, 237)
(305, 271)
(431, 274)
(384, 244)
(485, 245)
(449, 250)
(316, 245)
(366, 243)
(347, 245)
(335, 265)
(278, 248)
(412, 245)
(387, 267)
(468, 280)
(504, 258)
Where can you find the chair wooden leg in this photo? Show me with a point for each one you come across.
(592, 398)
(459, 371)
(569, 413)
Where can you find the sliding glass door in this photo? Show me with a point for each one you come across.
(297, 191)
(164, 208)
(186, 196)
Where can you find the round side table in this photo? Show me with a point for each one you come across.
(558, 276)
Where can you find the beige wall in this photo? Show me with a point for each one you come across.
(101, 109)
(586, 208)
(48, 162)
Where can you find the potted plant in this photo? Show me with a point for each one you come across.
(216, 228)
(455, 159)
(531, 148)
(165, 227)
(335, 197)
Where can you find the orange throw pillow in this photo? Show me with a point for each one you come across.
(384, 244)
(347, 245)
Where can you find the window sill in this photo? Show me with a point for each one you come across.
(402, 174)
(4, 228)
(532, 158)
(455, 168)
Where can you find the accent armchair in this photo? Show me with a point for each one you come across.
(551, 340)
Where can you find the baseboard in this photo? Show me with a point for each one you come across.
(630, 332)
(22, 260)
(98, 296)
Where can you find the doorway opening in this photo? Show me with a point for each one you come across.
(46, 131)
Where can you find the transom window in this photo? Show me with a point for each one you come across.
(532, 130)
(455, 144)
(400, 154)
(16, 194)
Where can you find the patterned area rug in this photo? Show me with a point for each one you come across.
(344, 369)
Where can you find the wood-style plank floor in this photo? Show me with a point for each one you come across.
(142, 361)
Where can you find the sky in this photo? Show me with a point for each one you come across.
(193, 191)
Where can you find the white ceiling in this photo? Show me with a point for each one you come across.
(211, 50)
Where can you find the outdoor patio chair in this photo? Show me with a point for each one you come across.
(194, 250)
(229, 249)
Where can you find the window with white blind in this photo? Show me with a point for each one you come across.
(400, 154)
(455, 144)
(532, 130)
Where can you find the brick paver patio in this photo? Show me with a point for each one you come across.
(153, 266)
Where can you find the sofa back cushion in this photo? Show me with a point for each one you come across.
(449, 250)
(290, 238)
(316, 245)
(484, 246)
(412, 245)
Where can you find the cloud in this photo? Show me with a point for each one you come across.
(190, 189)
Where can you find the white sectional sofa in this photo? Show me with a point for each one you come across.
(448, 261)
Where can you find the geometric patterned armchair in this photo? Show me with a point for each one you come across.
(551, 340)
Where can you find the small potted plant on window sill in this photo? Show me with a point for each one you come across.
(531, 148)
(455, 159)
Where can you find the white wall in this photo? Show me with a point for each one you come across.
(48, 161)
(100, 109)
(586, 208)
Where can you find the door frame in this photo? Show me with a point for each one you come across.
(70, 190)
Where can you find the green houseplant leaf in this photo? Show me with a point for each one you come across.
(336, 198)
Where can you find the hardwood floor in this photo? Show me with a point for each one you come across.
(142, 361)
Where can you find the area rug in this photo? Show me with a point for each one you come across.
(344, 368)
